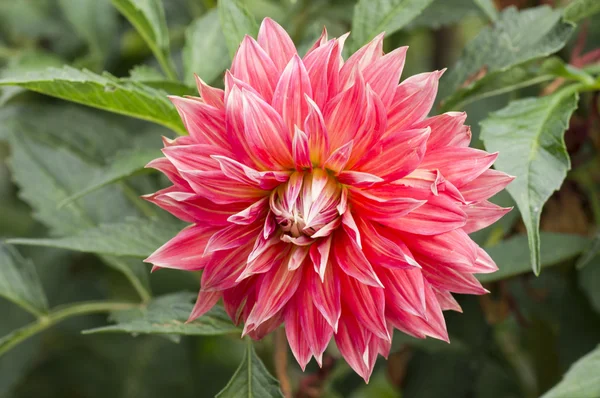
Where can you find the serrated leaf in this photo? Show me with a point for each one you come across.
(251, 379)
(133, 238)
(581, 380)
(580, 9)
(371, 17)
(492, 84)
(46, 150)
(205, 52)
(104, 92)
(529, 134)
(95, 21)
(512, 255)
(168, 315)
(517, 37)
(236, 22)
(148, 18)
(19, 281)
(125, 164)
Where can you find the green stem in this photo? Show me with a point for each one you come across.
(59, 314)
(133, 196)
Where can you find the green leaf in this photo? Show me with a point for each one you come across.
(205, 52)
(148, 18)
(151, 77)
(47, 149)
(581, 381)
(580, 9)
(516, 38)
(95, 21)
(529, 134)
(251, 379)
(589, 280)
(104, 92)
(133, 238)
(19, 281)
(512, 255)
(168, 315)
(126, 163)
(489, 8)
(371, 17)
(236, 22)
(524, 75)
(592, 251)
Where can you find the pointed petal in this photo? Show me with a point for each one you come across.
(489, 183)
(437, 216)
(459, 165)
(214, 97)
(361, 59)
(235, 170)
(205, 301)
(383, 75)
(257, 210)
(405, 290)
(482, 215)
(382, 209)
(184, 251)
(323, 66)
(325, 293)
(447, 301)
(224, 267)
(204, 123)
(452, 249)
(318, 139)
(276, 42)
(297, 256)
(385, 250)
(413, 100)
(319, 255)
(446, 278)
(300, 150)
(339, 158)
(358, 179)
(296, 335)
(447, 128)
(352, 261)
(351, 341)
(232, 236)
(253, 65)
(289, 97)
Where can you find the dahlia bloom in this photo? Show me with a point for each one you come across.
(321, 196)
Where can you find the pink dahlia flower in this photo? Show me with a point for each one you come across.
(321, 196)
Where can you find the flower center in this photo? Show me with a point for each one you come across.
(308, 206)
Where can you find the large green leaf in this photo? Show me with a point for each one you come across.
(205, 52)
(589, 280)
(125, 163)
(512, 255)
(590, 253)
(445, 12)
(580, 9)
(371, 17)
(236, 22)
(489, 8)
(528, 74)
(133, 237)
(581, 381)
(104, 92)
(148, 18)
(168, 315)
(251, 379)
(19, 281)
(516, 37)
(529, 134)
(57, 154)
(95, 21)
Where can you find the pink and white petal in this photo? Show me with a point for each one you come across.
(224, 267)
(238, 298)
(268, 326)
(232, 236)
(222, 190)
(383, 248)
(383, 75)
(351, 229)
(358, 179)
(301, 150)
(266, 180)
(185, 251)
(489, 183)
(383, 209)
(272, 256)
(352, 343)
(352, 261)
(318, 138)
(459, 165)
(167, 168)
(275, 289)
(483, 214)
(453, 249)
(205, 301)
(437, 216)
(289, 97)
(296, 335)
(194, 158)
(212, 96)
(319, 255)
(297, 256)
(322, 66)
(405, 290)
(360, 60)
(367, 304)
(446, 128)
(431, 181)
(319, 42)
(484, 263)
(254, 212)
(316, 329)
(276, 42)
(339, 158)
(447, 301)
(325, 293)
(254, 66)
(204, 123)
(413, 100)
(397, 155)
(446, 278)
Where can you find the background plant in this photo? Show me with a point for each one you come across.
(74, 229)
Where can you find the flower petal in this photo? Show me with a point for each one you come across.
(204, 123)
(383, 74)
(185, 251)
(276, 42)
(254, 66)
(205, 301)
(325, 293)
(300, 150)
(489, 183)
(289, 97)
(352, 260)
(447, 129)
(483, 214)
(459, 165)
